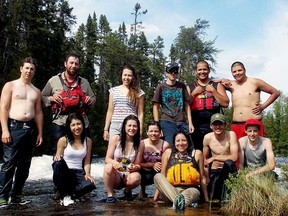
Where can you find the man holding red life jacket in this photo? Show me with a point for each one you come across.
(67, 92)
(207, 99)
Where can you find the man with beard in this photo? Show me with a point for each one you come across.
(74, 87)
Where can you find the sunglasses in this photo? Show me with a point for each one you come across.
(173, 71)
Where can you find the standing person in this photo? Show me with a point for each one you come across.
(154, 147)
(182, 175)
(122, 161)
(208, 97)
(22, 122)
(72, 162)
(246, 102)
(220, 150)
(174, 100)
(56, 94)
(124, 100)
(256, 152)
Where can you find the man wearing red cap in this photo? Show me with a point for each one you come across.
(256, 152)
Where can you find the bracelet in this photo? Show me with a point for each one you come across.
(105, 130)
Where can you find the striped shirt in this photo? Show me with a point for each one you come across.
(122, 105)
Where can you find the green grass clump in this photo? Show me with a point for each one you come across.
(257, 195)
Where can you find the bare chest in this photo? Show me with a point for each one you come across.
(24, 93)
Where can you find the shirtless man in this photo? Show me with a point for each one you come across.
(222, 145)
(246, 101)
(22, 122)
(256, 152)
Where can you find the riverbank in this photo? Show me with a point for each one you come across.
(39, 189)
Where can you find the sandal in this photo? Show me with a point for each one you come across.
(111, 200)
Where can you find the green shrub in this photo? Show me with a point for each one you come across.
(258, 195)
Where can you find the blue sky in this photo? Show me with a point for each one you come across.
(252, 31)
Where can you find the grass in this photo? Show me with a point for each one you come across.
(258, 195)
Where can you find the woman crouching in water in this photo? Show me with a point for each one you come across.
(123, 160)
(73, 153)
(182, 174)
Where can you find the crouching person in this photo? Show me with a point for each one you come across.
(73, 152)
(256, 152)
(122, 161)
(182, 174)
(220, 150)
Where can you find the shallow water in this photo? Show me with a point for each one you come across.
(39, 189)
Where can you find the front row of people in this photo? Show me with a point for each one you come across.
(182, 174)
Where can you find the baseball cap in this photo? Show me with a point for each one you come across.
(253, 122)
(172, 67)
(218, 117)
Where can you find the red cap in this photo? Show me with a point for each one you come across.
(253, 122)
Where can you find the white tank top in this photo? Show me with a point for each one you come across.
(73, 157)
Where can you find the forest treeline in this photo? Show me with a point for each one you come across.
(42, 29)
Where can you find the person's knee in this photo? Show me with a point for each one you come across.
(109, 169)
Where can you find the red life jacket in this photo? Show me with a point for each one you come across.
(205, 100)
(73, 100)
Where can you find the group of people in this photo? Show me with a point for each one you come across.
(188, 154)
(69, 96)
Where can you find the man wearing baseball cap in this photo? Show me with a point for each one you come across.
(222, 145)
(256, 152)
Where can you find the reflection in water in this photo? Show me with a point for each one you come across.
(39, 188)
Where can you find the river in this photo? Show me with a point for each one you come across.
(39, 189)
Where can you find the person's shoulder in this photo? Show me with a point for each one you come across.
(178, 83)
(209, 135)
(89, 140)
(266, 141)
(83, 80)
(167, 152)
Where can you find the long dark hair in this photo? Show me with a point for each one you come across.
(70, 135)
(190, 144)
(136, 138)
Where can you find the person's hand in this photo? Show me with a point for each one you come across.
(226, 82)
(57, 157)
(106, 135)
(39, 141)
(208, 161)
(88, 100)
(257, 110)
(89, 177)
(191, 128)
(198, 90)
(56, 98)
(210, 88)
(6, 138)
(133, 168)
(157, 166)
(117, 166)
